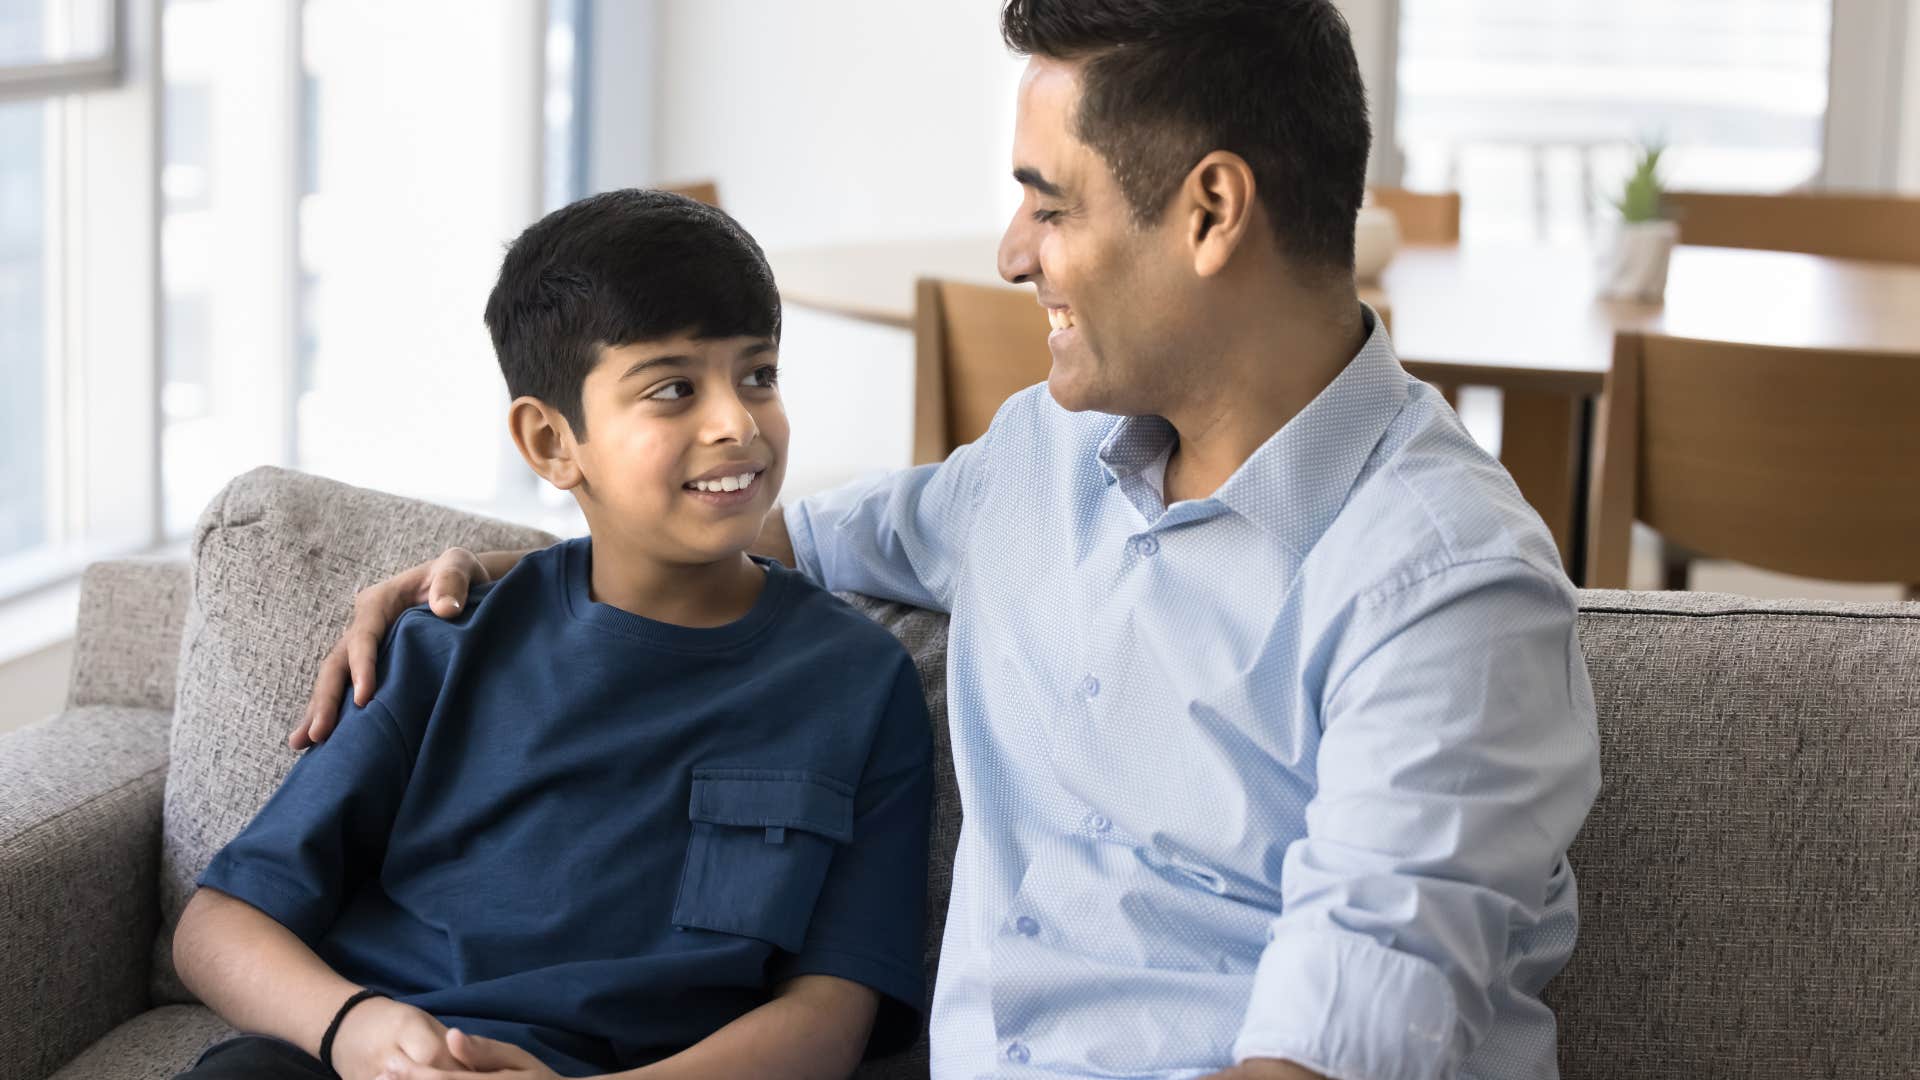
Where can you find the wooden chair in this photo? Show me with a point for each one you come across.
(976, 346)
(1882, 227)
(705, 191)
(1801, 461)
(1425, 218)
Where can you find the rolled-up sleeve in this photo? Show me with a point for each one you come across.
(900, 537)
(1457, 760)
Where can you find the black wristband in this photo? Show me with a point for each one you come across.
(326, 1041)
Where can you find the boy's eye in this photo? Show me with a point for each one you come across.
(673, 391)
(764, 376)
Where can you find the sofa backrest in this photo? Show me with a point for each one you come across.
(1750, 875)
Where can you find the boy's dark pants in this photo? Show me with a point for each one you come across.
(256, 1057)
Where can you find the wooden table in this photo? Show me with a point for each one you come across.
(1524, 319)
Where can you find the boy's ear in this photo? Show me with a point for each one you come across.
(545, 440)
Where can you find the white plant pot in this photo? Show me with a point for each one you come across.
(1635, 264)
(1376, 236)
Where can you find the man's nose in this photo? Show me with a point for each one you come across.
(1019, 254)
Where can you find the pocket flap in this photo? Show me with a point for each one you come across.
(774, 799)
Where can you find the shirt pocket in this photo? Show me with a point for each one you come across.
(762, 842)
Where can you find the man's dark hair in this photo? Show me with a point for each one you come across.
(1166, 82)
(615, 269)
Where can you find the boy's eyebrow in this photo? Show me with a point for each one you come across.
(657, 361)
(1030, 176)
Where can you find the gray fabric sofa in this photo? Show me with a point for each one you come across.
(1749, 880)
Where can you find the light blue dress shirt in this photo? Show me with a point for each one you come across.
(1290, 771)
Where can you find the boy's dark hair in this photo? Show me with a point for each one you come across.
(618, 268)
(1168, 81)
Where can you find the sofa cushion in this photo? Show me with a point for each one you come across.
(277, 557)
(155, 1045)
(1750, 875)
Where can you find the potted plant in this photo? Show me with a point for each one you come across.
(1635, 266)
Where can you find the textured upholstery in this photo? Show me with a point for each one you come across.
(79, 854)
(1750, 876)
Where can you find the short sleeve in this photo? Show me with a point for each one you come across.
(323, 831)
(869, 924)
(326, 829)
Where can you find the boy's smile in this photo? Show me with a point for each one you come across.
(730, 485)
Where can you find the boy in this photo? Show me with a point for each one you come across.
(647, 802)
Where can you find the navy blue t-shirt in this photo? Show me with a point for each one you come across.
(602, 837)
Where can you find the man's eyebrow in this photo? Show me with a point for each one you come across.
(1031, 178)
(657, 361)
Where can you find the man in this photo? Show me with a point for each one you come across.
(1269, 718)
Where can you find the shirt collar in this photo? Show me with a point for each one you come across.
(1296, 482)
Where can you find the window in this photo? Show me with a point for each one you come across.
(1531, 108)
(341, 177)
(54, 56)
(23, 338)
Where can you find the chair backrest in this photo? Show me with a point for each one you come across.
(1883, 227)
(1801, 461)
(705, 191)
(977, 346)
(1425, 217)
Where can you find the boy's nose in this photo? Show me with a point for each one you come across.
(729, 420)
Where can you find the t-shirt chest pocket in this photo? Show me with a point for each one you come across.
(762, 842)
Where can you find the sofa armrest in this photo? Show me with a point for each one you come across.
(127, 644)
(80, 798)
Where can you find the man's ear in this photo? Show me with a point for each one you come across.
(1217, 204)
(546, 441)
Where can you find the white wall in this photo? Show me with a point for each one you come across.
(1909, 166)
(834, 123)
(34, 687)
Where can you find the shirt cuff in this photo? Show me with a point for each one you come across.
(1346, 1006)
(283, 905)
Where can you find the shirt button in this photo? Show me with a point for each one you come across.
(1090, 686)
(1027, 926)
(1145, 545)
(1017, 1053)
(1099, 824)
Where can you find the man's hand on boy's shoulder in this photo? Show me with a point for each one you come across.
(441, 583)
(473, 1054)
(380, 1032)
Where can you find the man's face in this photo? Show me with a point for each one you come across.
(671, 426)
(1111, 287)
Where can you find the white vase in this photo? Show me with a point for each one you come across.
(1635, 264)
(1376, 236)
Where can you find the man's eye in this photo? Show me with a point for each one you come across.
(764, 376)
(673, 391)
(1045, 216)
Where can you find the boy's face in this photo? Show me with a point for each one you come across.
(672, 425)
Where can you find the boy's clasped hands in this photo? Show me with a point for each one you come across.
(384, 1039)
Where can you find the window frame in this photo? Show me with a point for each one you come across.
(102, 280)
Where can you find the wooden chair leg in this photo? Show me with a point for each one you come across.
(1676, 567)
